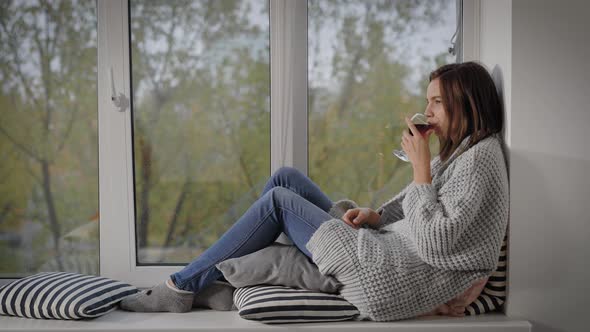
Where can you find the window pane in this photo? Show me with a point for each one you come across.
(201, 113)
(48, 137)
(368, 68)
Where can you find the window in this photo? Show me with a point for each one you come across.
(190, 150)
(193, 150)
(201, 113)
(48, 137)
(368, 68)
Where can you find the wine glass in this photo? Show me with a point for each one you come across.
(419, 120)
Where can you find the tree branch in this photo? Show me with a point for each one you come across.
(5, 210)
(170, 39)
(51, 48)
(177, 210)
(20, 146)
(234, 142)
(394, 171)
(45, 78)
(16, 60)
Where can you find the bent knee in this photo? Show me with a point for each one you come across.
(287, 172)
(283, 197)
(281, 193)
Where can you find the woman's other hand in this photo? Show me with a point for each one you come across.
(418, 151)
(358, 216)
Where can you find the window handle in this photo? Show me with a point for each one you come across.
(121, 101)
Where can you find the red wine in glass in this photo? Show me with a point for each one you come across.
(422, 128)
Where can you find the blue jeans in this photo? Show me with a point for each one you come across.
(290, 203)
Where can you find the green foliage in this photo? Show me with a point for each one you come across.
(356, 119)
(48, 133)
(201, 118)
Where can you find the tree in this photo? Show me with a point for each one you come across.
(201, 108)
(48, 71)
(359, 94)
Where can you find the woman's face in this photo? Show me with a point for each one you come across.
(435, 112)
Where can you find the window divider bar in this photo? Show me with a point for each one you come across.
(288, 49)
(116, 197)
(112, 128)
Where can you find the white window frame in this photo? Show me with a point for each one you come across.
(116, 197)
(288, 67)
(288, 34)
(470, 30)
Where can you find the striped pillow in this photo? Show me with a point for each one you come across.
(62, 295)
(493, 295)
(278, 304)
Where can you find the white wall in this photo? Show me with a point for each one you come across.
(495, 50)
(542, 48)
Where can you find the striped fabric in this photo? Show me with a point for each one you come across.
(493, 295)
(278, 304)
(62, 295)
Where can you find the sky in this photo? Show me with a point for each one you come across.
(426, 41)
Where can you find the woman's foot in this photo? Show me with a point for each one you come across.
(164, 297)
(217, 296)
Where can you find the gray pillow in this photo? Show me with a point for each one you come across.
(277, 265)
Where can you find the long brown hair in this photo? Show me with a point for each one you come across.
(471, 103)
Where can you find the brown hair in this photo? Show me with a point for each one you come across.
(471, 103)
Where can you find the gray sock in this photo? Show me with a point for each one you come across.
(160, 298)
(217, 296)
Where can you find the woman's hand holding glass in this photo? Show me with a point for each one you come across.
(415, 146)
(421, 122)
(359, 216)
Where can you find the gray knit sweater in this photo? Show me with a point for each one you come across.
(433, 241)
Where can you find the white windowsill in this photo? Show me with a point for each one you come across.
(208, 320)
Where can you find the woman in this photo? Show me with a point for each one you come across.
(419, 250)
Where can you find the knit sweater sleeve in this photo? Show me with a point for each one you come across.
(438, 220)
